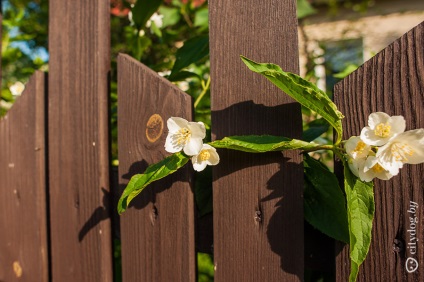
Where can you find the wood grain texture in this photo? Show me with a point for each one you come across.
(258, 205)
(391, 82)
(157, 232)
(79, 47)
(23, 224)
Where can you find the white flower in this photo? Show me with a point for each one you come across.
(164, 73)
(382, 128)
(183, 85)
(157, 19)
(17, 88)
(207, 156)
(373, 168)
(405, 148)
(184, 135)
(356, 148)
(362, 161)
(368, 168)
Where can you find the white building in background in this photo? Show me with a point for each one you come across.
(351, 38)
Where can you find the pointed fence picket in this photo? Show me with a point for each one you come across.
(391, 82)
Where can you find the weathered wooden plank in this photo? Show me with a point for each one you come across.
(391, 82)
(258, 205)
(79, 46)
(23, 220)
(157, 232)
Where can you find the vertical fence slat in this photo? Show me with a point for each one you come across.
(79, 46)
(23, 225)
(157, 232)
(258, 205)
(391, 82)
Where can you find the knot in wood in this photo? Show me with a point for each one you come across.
(258, 216)
(153, 215)
(398, 246)
(154, 128)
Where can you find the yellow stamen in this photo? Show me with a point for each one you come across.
(359, 149)
(382, 130)
(183, 136)
(204, 155)
(401, 151)
(377, 168)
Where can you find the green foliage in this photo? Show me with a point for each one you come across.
(324, 202)
(316, 128)
(194, 50)
(153, 172)
(24, 34)
(360, 210)
(205, 267)
(304, 9)
(303, 91)
(261, 143)
(143, 10)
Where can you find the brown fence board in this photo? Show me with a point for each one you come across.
(391, 82)
(23, 224)
(157, 232)
(79, 46)
(258, 205)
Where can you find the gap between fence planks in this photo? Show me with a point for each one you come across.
(79, 65)
(23, 219)
(390, 82)
(258, 204)
(157, 231)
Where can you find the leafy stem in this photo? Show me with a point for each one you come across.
(205, 88)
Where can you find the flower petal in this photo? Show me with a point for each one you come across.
(356, 148)
(405, 148)
(197, 129)
(171, 146)
(398, 124)
(214, 157)
(193, 146)
(382, 128)
(175, 123)
(198, 166)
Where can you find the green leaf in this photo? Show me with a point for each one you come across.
(315, 129)
(143, 10)
(171, 16)
(324, 202)
(303, 91)
(153, 172)
(360, 210)
(304, 9)
(201, 18)
(193, 51)
(348, 70)
(261, 143)
(154, 28)
(183, 75)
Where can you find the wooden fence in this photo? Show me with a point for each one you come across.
(58, 204)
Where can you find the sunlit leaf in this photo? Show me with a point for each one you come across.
(261, 143)
(303, 91)
(153, 172)
(360, 210)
